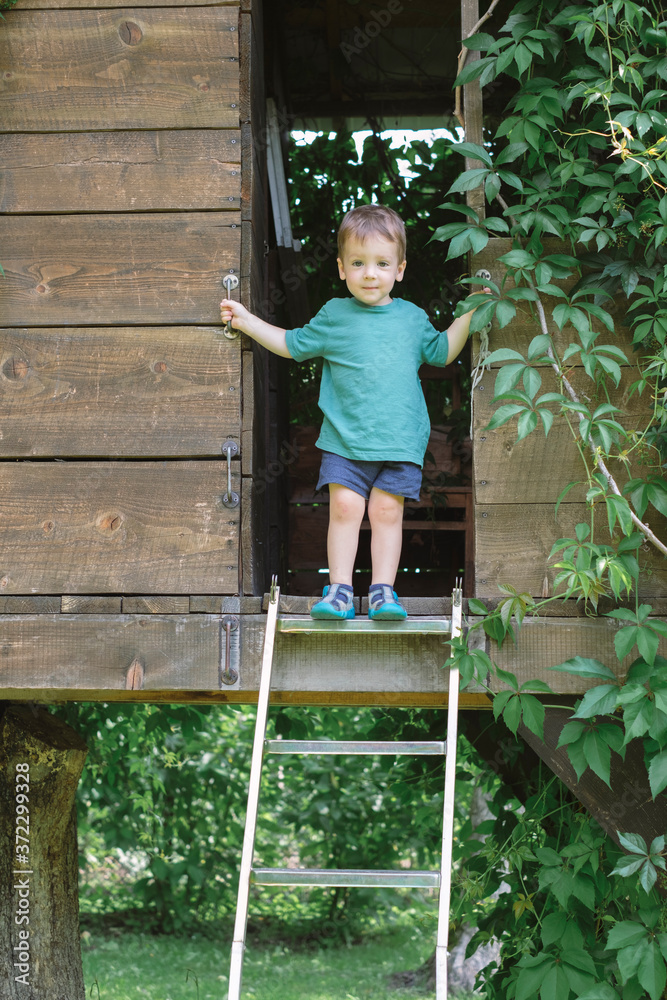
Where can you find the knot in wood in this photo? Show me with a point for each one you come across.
(130, 33)
(15, 368)
(109, 522)
(160, 367)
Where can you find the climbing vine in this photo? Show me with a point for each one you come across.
(580, 158)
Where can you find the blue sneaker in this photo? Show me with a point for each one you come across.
(337, 602)
(384, 605)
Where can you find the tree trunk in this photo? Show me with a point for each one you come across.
(41, 759)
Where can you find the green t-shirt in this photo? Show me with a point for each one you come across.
(370, 394)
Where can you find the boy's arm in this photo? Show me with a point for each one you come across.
(271, 337)
(458, 332)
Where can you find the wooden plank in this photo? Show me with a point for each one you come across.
(121, 171)
(253, 555)
(29, 605)
(133, 392)
(74, 4)
(117, 69)
(117, 527)
(546, 642)
(87, 657)
(513, 542)
(207, 605)
(159, 605)
(117, 269)
(74, 605)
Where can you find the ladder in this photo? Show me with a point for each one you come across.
(440, 879)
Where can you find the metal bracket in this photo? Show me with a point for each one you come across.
(486, 275)
(228, 674)
(230, 281)
(230, 498)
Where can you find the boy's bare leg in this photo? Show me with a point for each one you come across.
(385, 512)
(346, 512)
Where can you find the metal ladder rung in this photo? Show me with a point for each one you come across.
(424, 747)
(346, 877)
(411, 626)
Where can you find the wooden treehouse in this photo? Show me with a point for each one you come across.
(142, 503)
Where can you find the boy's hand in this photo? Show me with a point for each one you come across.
(234, 311)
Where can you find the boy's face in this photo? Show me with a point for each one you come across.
(370, 269)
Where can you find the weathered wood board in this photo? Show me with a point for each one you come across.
(110, 4)
(513, 542)
(117, 269)
(88, 656)
(133, 391)
(117, 527)
(121, 171)
(117, 69)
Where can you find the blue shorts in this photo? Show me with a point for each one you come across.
(403, 479)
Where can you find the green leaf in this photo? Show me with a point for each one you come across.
(598, 755)
(512, 714)
(599, 700)
(532, 975)
(526, 424)
(632, 842)
(651, 972)
(583, 666)
(624, 934)
(532, 714)
(555, 985)
(657, 773)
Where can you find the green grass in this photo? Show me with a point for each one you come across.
(141, 967)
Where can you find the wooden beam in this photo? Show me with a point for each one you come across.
(76, 4)
(118, 391)
(472, 106)
(142, 68)
(191, 169)
(71, 270)
(513, 542)
(83, 657)
(117, 527)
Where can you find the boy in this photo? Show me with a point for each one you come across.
(376, 426)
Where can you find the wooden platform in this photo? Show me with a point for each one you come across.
(160, 649)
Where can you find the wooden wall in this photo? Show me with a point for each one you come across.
(517, 484)
(131, 184)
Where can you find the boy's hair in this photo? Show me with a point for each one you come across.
(373, 220)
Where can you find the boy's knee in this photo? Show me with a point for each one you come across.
(385, 507)
(346, 506)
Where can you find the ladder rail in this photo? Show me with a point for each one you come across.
(241, 920)
(442, 941)
(247, 875)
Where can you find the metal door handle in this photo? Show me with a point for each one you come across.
(230, 281)
(230, 499)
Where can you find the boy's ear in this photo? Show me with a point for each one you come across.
(401, 271)
(341, 269)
